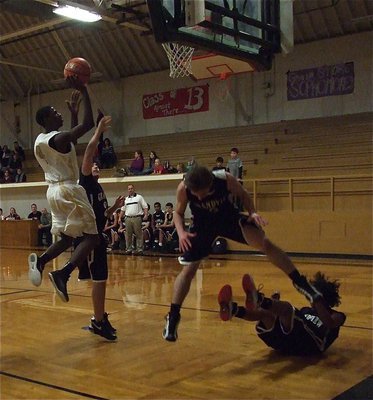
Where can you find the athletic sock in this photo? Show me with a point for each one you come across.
(175, 309)
(295, 276)
(68, 268)
(241, 312)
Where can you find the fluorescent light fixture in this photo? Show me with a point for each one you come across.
(77, 13)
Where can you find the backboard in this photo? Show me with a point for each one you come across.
(246, 30)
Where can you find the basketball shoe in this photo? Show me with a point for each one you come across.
(103, 328)
(35, 269)
(225, 302)
(305, 288)
(170, 328)
(252, 295)
(59, 280)
(106, 317)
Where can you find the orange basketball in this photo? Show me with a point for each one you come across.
(80, 67)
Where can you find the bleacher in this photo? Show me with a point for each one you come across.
(308, 147)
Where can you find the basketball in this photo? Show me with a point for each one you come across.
(80, 67)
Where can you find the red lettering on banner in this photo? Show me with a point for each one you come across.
(176, 102)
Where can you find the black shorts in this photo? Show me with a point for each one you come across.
(226, 226)
(95, 267)
(299, 341)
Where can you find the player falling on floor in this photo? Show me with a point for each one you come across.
(212, 197)
(72, 215)
(281, 326)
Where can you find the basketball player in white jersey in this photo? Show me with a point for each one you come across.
(72, 214)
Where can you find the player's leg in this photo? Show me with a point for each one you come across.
(129, 235)
(139, 236)
(100, 324)
(257, 239)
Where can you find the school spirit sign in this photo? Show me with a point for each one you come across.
(328, 80)
(176, 102)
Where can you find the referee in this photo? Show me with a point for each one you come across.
(134, 209)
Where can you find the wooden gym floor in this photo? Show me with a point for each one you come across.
(47, 354)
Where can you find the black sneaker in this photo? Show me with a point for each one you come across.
(35, 269)
(305, 288)
(170, 328)
(103, 328)
(106, 318)
(59, 281)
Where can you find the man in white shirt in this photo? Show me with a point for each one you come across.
(134, 209)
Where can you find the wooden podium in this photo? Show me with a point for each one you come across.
(21, 233)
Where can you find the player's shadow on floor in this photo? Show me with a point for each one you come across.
(277, 365)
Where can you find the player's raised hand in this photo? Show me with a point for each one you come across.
(74, 82)
(104, 123)
(74, 103)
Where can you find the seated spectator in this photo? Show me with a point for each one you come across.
(122, 232)
(108, 157)
(157, 220)
(5, 157)
(20, 176)
(44, 228)
(147, 230)
(150, 168)
(191, 163)
(12, 215)
(137, 164)
(14, 164)
(158, 167)
(8, 177)
(219, 164)
(111, 227)
(2, 216)
(19, 151)
(34, 214)
(180, 168)
(166, 229)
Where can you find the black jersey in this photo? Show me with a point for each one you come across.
(96, 197)
(216, 205)
(158, 217)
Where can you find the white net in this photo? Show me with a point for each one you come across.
(180, 57)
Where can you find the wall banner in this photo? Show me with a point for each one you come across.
(328, 80)
(176, 102)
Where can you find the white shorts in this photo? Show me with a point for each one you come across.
(72, 214)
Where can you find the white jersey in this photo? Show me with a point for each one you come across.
(57, 167)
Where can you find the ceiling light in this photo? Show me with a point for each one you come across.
(77, 13)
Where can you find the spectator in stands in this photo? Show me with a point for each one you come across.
(44, 228)
(20, 176)
(137, 164)
(5, 157)
(12, 215)
(2, 216)
(108, 157)
(166, 229)
(234, 165)
(19, 151)
(157, 220)
(111, 228)
(191, 163)
(180, 168)
(8, 177)
(14, 163)
(150, 168)
(219, 164)
(158, 167)
(122, 231)
(34, 214)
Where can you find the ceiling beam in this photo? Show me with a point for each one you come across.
(33, 28)
(60, 45)
(13, 64)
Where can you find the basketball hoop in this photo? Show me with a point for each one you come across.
(180, 57)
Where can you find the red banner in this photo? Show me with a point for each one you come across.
(176, 102)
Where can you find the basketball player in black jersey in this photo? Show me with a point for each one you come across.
(95, 267)
(281, 326)
(212, 197)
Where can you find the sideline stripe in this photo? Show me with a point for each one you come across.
(19, 291)
(22, 378)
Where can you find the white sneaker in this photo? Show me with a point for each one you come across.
(34, 274)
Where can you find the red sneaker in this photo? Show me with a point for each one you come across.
(225, 302)
(249, 288)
